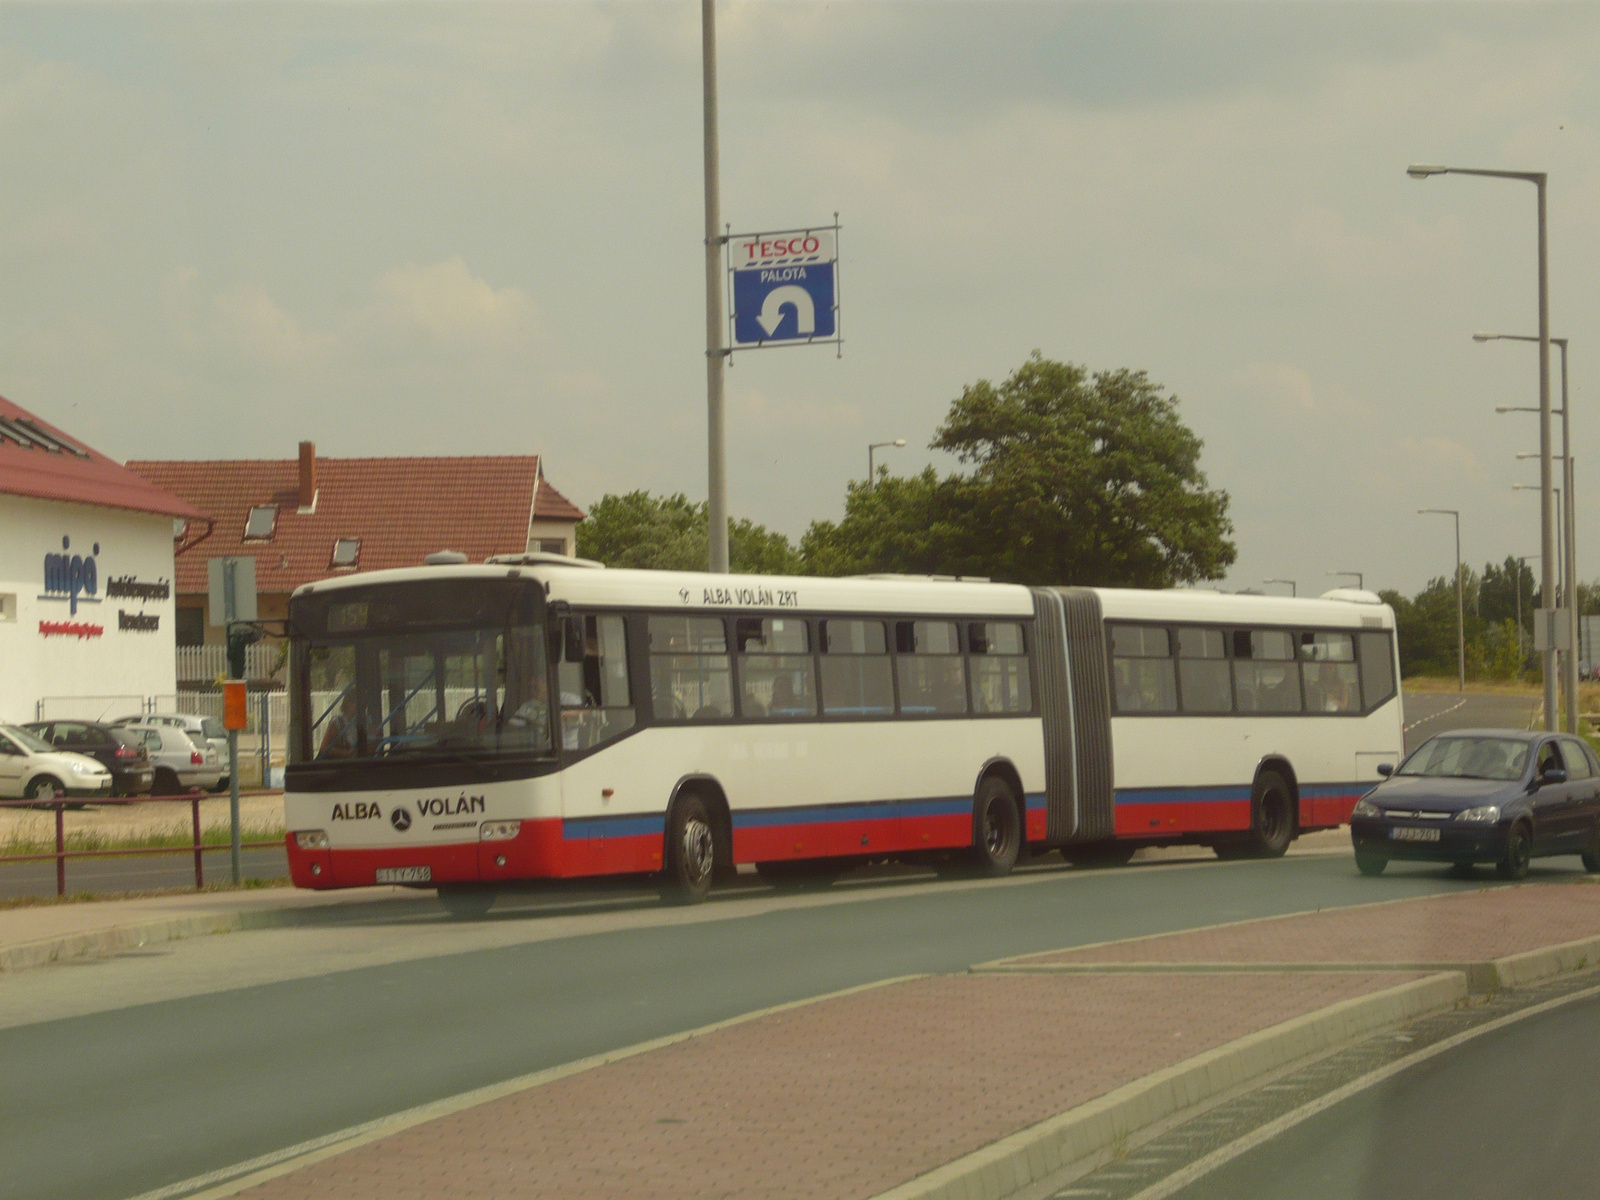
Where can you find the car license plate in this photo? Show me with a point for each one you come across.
(405, 874)
(1401, 833)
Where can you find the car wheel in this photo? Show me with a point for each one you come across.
(166, 783)
(1591, 856)
(1514, 862)
(43, 787)
(1464, 870)
(691, 853)
(466, 901)
(1370, 864)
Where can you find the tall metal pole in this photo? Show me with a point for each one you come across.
(1546, 479)
(1570, 553)
(1547, 544)
(716, 446)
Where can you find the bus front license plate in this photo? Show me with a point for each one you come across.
(1403, 834)
(405, 874)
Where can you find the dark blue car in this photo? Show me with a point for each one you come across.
(1502, 796)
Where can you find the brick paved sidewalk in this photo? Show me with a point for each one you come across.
(1462, 927)
(843, 1098)
(848, 1097)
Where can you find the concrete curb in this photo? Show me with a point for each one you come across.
(102, 943)
(1519, 970)
(1033, 1155)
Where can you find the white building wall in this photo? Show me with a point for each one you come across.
(117, 662)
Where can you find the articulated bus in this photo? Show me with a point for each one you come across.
(466, 726)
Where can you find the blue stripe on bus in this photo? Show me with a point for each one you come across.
(1231, 791)
(604, 827)
(882, 810)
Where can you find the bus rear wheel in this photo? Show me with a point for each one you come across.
(1271, 823)
(466, 901)
(996, 828)
(691, 855)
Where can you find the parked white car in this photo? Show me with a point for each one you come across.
(32, 769)
(180, 764)
(202, 731)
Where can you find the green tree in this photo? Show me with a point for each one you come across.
(1426, 628)
(668, 533)
(1497, 593)
(1073, 479)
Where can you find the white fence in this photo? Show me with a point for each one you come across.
(262, 660)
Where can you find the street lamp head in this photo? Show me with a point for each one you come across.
(899, 441)
(1423, 170)
(1486, 337)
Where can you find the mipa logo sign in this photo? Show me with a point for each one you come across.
(71, 577)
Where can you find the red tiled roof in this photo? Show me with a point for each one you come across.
(88, 479)
(401, 508)
(551, 505)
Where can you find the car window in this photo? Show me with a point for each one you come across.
(213, 728)
(1469, 758)
(1577, 761)
(29, 741)
(1550, 756)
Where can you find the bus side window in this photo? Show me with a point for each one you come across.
(930, 669)
(1328, 669)
(1203, 679)
(1141, 669)
(1377, 670)
(691, 678)
(1000, 682)
(776, 670)
(596, 704)
(857, 680)
(1265, 678)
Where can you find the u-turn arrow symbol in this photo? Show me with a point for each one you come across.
(805, 310)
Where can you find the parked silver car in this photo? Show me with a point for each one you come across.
(202, 731)
(180, 763)
(32, 769)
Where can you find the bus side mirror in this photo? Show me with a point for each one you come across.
(1386, 769)
(574, 646)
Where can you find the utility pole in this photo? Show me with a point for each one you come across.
(716, 356)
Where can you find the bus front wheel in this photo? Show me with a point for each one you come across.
(691, 856)
(996, 828)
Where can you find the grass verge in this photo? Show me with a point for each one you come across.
(174, 837)
(246, 885)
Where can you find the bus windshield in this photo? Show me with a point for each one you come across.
(388, 689)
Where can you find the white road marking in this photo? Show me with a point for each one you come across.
(1434, 716)
(1217, 1158)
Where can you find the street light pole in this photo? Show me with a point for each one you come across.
(871, 446)
(1547, 566)
(716, 357)
(1461, 626)
(1569, 510)
(1361, 580)
(1293, 591)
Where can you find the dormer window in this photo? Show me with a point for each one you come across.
(346, 551)
(263, 519)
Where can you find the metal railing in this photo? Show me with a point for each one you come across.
(262, 660)
(60, 854)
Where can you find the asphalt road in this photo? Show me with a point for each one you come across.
(1506, 1116)
(110, 1104)
(145, 872)
(1428, 713)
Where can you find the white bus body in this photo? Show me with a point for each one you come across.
(813, 719)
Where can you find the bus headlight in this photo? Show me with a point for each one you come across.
(311, 839)
(499, 831)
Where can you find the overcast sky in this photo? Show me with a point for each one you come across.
(413, 229)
